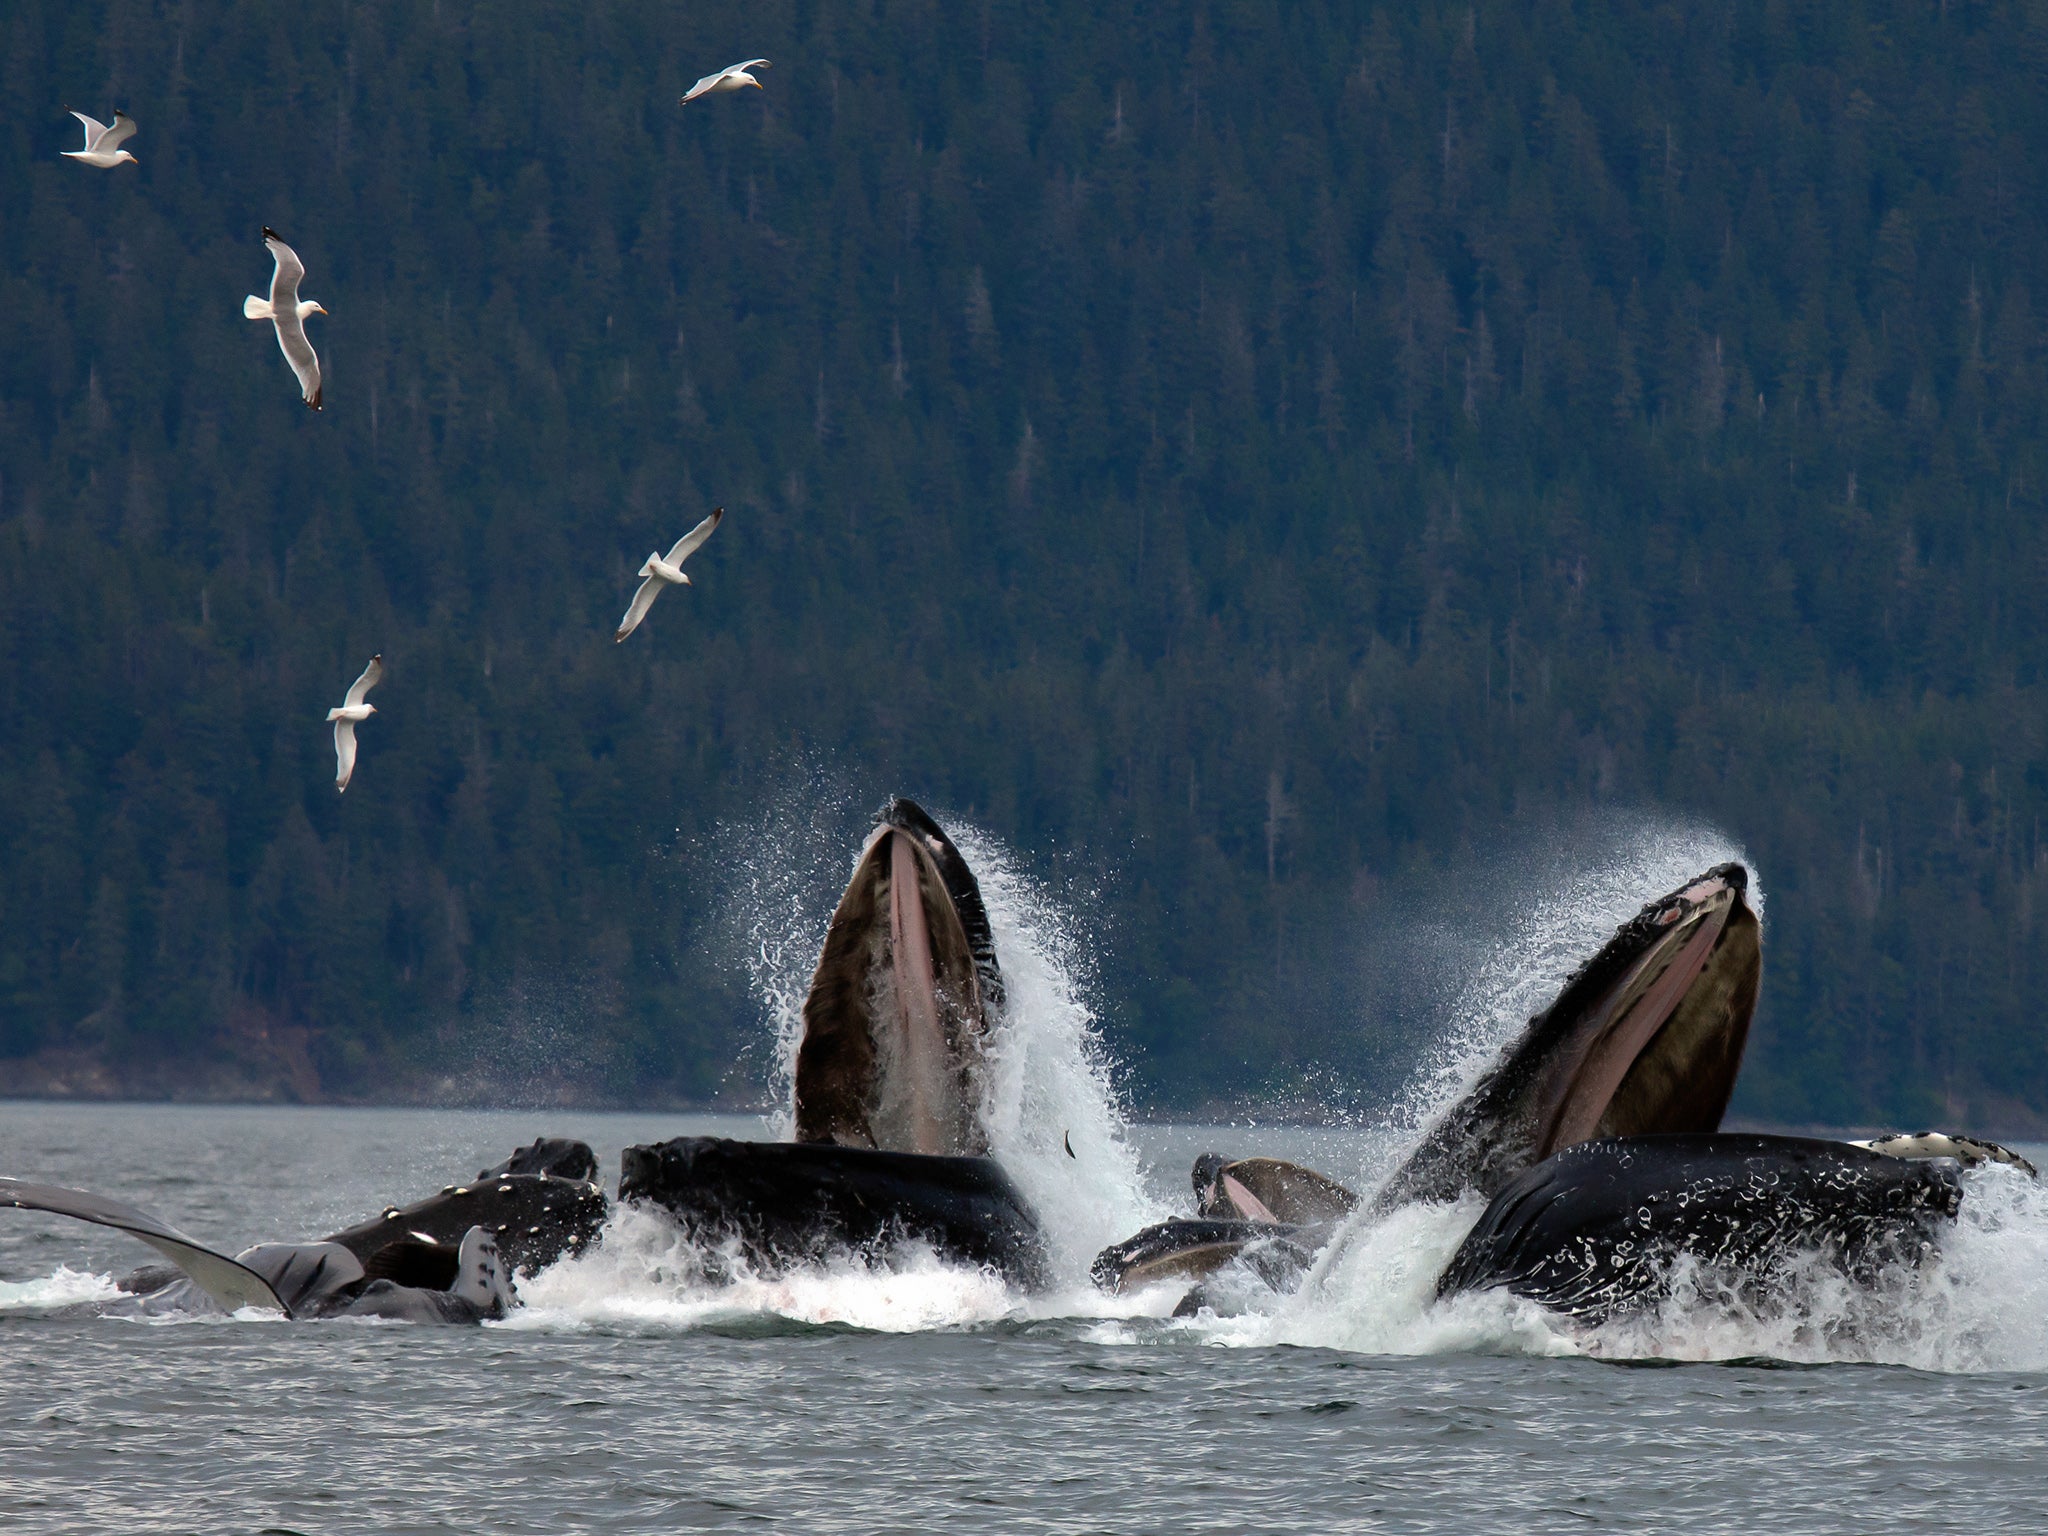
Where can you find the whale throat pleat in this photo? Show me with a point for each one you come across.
(895, 1017)
(912, 1090)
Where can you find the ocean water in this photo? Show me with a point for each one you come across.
(629, 1395)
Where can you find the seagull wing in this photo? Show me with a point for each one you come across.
(114, 137)
(95, 130)
(686, 546)
(750, 64)
(231, 1285)
(298, 351)
(373, 674)
(642, 601)
(284, 282)
(694, 91)
(344, 754)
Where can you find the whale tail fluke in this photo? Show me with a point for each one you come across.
(231, 1285)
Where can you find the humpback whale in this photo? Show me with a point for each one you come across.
(300, 1280)
(1646, 1036)
(1595, 1138)
(891, 1148)
(902, 998)
(1593, 1233)
(447, 1259)
(788, 1203)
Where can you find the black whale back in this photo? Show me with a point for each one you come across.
(1592, 1231)
(536, 1218)
(791, 1202)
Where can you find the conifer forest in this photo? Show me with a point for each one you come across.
(1251, 460)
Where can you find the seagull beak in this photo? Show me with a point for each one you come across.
(756, 85)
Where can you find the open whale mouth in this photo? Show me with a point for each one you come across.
(902, 999)
(1645, 1038)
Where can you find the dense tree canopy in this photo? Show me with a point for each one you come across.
(1254, 449)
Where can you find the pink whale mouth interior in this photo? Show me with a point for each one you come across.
(1661, 1050)
(895, 1018)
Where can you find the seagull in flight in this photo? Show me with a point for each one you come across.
(353, 710)
(287, 311)
(733, 79)
(665, 573)
(103, 144)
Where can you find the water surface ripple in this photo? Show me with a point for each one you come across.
(965, 1409)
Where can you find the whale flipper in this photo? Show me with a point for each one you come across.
(482, 1289)
(231, 1284)
(482, 1278)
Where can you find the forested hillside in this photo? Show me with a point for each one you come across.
(1250, 450)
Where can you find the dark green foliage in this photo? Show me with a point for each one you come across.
(1264, 448)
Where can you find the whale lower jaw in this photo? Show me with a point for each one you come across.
(790, 1203)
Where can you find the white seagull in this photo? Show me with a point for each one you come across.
(103, 144)
(287, 311)
(352, 711)
(665, 573)
(733, 79)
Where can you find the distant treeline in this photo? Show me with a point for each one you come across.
(1257, 450)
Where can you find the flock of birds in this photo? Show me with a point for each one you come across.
(288, 313)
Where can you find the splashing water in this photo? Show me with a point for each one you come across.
(1546, 910)
(647, 1277)
(1047, 1083)
(785, 872)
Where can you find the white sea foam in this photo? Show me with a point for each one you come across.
(1048, 1083)
(66, 1287)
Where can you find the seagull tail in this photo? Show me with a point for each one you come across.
(647, 566)
(334, 714)
(258, 309)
